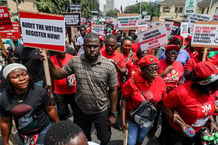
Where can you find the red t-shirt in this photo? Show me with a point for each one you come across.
(117, 57)
(60, 86)
(172, 78)
(193, 107)
(191, 64)
(156, 90)
(130, 61)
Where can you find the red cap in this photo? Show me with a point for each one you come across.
(205, 69)
(172, 46)
(101, 37)
(177, 37)
(147, 60)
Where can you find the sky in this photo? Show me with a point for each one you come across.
(124, 3)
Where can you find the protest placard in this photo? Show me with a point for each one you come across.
(147, 18)
(5, 20)
(141, 28)
(13, 33)
(98, 29)
(75, 7)
(128, 21)
(153, 37)
(215, 16)
(184, 29)
(168, 24)
(197, 17)
(43, 30)
(190, 7)
(205, 34)
(72, 19)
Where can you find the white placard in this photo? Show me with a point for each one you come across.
(153, 37)
(197, 17)
(128, 21)
(190, 7)
(205, 34)
(184, 29)
(98, 29)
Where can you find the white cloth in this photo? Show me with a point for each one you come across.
(9, 68)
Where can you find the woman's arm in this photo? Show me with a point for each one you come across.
(123, 109)
(168, 69)
(6, 123)
(52, 113)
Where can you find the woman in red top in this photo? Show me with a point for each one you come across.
(129, 56)
(194, 103)
(170, 69)
(153, 88)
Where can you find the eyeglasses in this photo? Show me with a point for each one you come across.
(151, 69)
(172, 52)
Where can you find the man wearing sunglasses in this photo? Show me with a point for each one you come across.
(170, 69)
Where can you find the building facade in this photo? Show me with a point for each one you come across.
(109, 5)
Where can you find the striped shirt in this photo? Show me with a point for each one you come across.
(93, 82)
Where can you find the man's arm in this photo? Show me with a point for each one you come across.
(6, 123)
(113, 100)
(120, 70)
(52, 113)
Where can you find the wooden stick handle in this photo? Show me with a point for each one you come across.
(46, 69)
(205, 54)
(3, 48)
(125, 136)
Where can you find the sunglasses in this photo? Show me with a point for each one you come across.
(151, 69)
(172, 52)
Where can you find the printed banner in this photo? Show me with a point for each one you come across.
(184, 30)
(190, 7)
(141, 28)
(72, 19)
(205, 35)
(153, 37)
(128, 21)
(11, 34)
(98, 29)
(5, 20)
(197, 17)
(43, 30)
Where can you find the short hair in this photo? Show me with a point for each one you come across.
(82, 27)
(60, 133)
(125, 39)
(91, 35)
(111, 36)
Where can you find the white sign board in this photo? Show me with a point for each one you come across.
(215, 16)
(147, 18)
(190, 7)
(128, 21)
(197, 17)
(43, 30)
(169, 26)
(98, 29)
(184, 29)
(153, 37)
(205, 34)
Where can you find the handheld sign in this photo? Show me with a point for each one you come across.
(98, 29)
(197, 17)
(5, 20)
(72, 19)
(184, 30)
(205, 34)
(44, 31)
(153, 37)
(12, 34)
(128, 21)
(190, 7)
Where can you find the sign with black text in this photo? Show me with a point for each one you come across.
(72, 19)
(205, 34)
(153, 37)
(5, 20)
(42, 30)
(190, 7)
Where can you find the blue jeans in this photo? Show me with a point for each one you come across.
(135, 133)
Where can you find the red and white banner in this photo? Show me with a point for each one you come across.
(11, 34)
(5, 20)
(42, 30)
(98, 29)
(153, 37)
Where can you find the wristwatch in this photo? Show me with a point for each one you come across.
(115, 114)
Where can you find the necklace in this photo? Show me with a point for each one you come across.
(20, 98)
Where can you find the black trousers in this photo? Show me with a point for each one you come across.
(170, 136)
(62, 101)
(100, 121)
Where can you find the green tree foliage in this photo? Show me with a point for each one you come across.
(112, 13)
(151, 9)
(87, 6)
(52, 6)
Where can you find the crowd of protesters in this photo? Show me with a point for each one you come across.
(111, 75)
